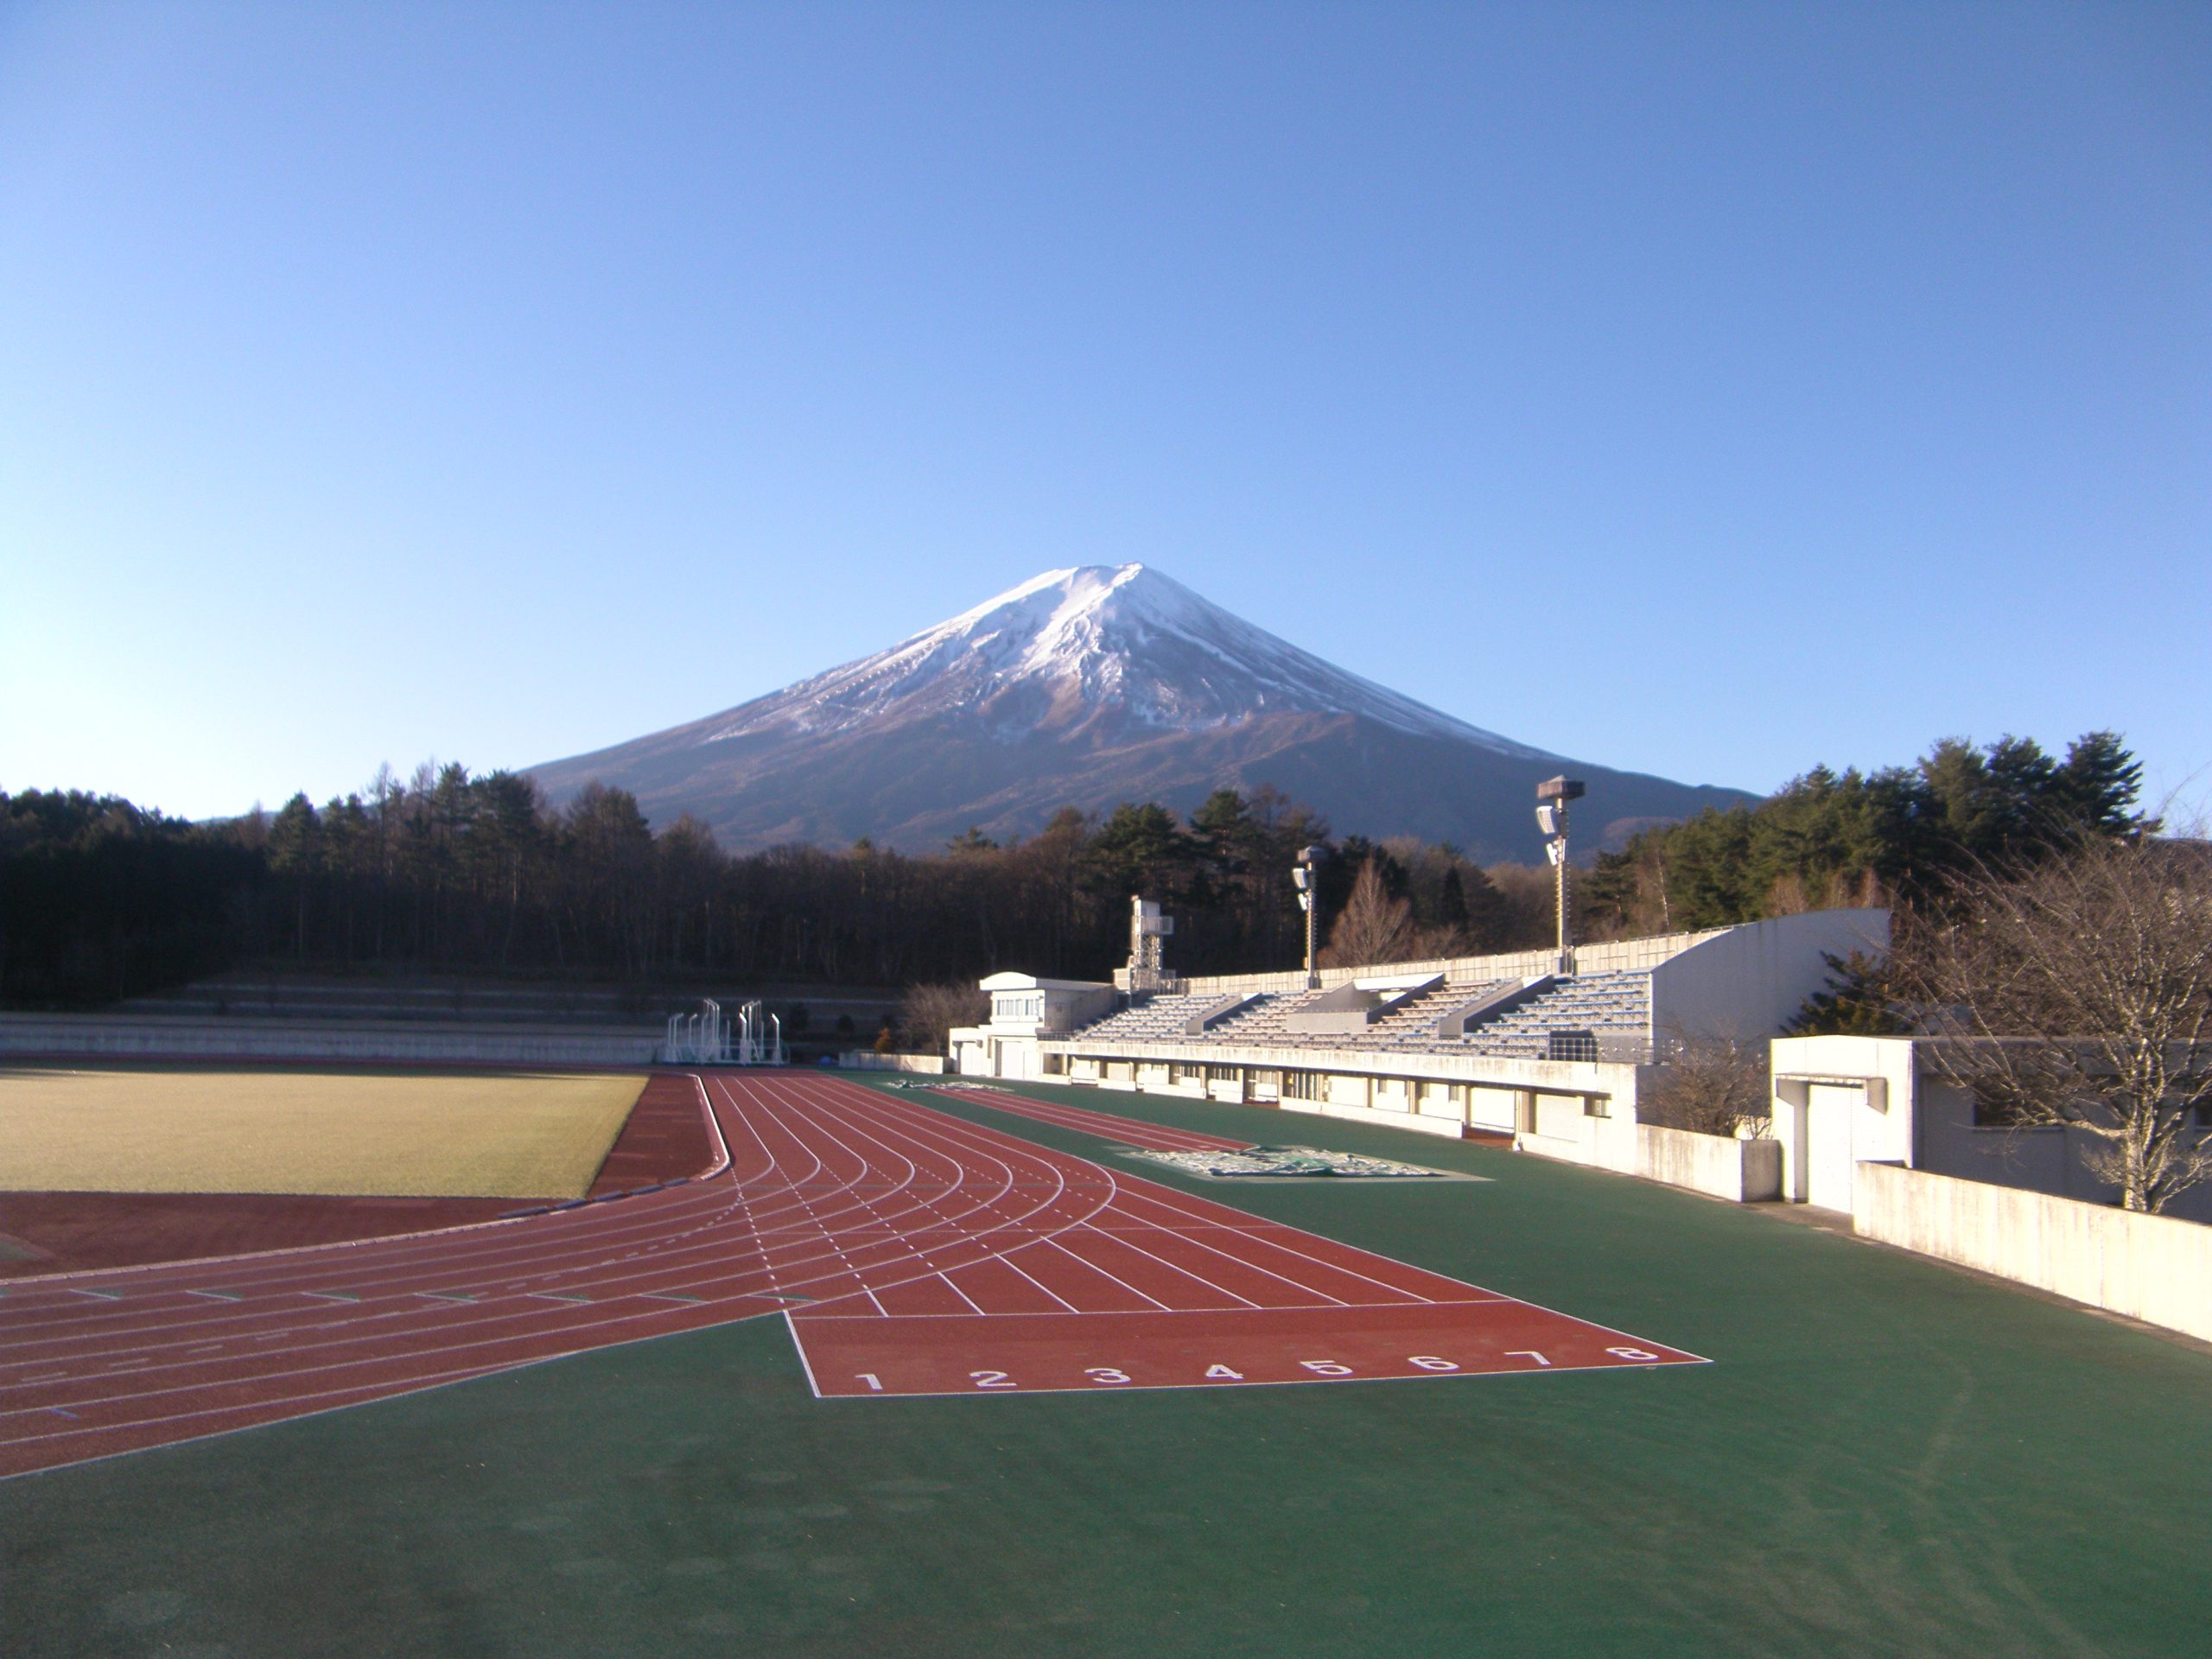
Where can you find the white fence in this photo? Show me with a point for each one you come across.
(2148, 1268)
(110, 1037)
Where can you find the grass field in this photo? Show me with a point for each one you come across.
(1886, 1458)
(307, 1130)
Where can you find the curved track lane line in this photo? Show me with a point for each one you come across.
(845, 1209)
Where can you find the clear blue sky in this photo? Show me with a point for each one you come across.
(1706, 390)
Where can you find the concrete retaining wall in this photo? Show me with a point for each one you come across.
(1744, 1171)
(2148, 1268)
(1561, 1126)
(110, 1037)
(866, 1060)
(1749, 981)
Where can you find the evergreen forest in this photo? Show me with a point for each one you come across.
(447, 871)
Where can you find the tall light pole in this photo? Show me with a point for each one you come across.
(1301, 876)
(1552, 797)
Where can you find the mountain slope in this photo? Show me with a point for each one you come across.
(1087, 688)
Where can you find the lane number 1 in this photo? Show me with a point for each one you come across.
(873, 1381)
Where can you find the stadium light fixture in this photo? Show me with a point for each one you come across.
(1552, 797)
(1301, 876)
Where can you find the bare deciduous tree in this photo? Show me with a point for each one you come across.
(928, 1013)
(1373, 927)
(2079, 993)
(1710, 1086)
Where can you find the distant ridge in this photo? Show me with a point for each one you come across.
(1087, 688)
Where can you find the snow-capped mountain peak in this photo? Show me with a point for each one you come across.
(1085, 688)
(1097, 645)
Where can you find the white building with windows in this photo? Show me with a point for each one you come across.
(1024, 1012)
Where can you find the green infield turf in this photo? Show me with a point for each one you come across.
(1886, 1458)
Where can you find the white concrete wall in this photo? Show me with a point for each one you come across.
(1838, 1101)
(1751, 981)
(1420, 1123)
(1564, 1128)
(116, 1037)
(1744, 1171)
(863, 1060)
(1613, 956)
(2047, 1161)
(1928, 1124)
(2149, 1267)
(1490, 1109)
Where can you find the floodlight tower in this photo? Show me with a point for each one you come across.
(1301, 876)
(1552, 797)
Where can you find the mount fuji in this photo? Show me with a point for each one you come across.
(1088, 688)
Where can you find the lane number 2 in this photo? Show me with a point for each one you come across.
(991, 1380)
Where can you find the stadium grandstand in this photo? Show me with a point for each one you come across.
(1476, 1045)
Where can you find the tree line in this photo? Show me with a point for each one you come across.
(446, 870)
(451, 871)
(1900, 835)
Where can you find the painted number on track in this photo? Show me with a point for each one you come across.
(1224, 1373)
(1105, 1374)
(873, 1381)
(1526, 1353)
(1431, 1362)
(1327, 1367)
(991, 1380)
(1633, 1353)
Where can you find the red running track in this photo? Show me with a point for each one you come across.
(1127, 1131)
(912, 1251)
